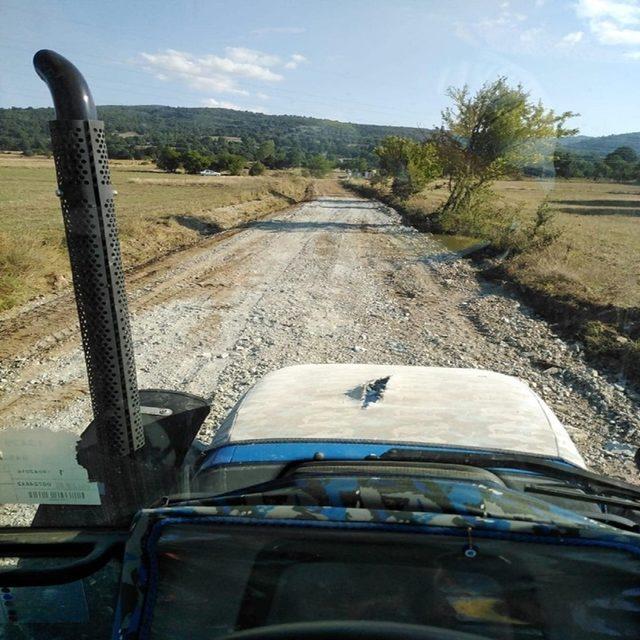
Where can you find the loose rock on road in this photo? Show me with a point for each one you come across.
(333, 280)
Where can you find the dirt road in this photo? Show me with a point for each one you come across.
(333, 280)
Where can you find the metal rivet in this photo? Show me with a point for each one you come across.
(59, 193)
(318, 455)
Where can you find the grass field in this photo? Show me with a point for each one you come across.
(597, 258)
(588, 280)
(157, 212)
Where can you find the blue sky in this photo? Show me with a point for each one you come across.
(375, 61)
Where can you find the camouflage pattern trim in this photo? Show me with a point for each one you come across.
(406, 494)
(140, 551)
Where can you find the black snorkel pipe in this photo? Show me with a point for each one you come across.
(136, 453)
(71, 95)
(87, 199)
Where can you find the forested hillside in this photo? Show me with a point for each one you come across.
(139, 131)
(602, 145)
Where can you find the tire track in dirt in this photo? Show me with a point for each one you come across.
(334, 280)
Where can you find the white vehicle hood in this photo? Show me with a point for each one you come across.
(467, 408)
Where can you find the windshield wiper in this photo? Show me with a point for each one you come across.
(583, 497)
(612, 519)
(526, 462)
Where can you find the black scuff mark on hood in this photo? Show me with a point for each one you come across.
(370, 392)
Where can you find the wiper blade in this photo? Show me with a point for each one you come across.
(583, 497)
(508, 459)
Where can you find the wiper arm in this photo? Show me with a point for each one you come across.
(583, 497)
(527, 462)
(617, 521)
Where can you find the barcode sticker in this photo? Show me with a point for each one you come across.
(38, 466)
(56, 495)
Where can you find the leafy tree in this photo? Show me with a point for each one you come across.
(168, 159)
(295, 157)
(358, 165)
(266, 152)
(195, 162)
(625, 153)
(619, 168)
(257, 169)
(564, 163)
(600, 170)
(489, 134)
(622, 164)
(235, 164)
(319, 166)
(411, 165)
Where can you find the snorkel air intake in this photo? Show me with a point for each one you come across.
(135, 452)
(87, 200)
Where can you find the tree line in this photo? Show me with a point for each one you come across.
(140, 132)
(621, 165)
(266, 156)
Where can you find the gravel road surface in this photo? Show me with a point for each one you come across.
(333, 280)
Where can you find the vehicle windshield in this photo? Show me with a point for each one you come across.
(269, 576)
(197, 195)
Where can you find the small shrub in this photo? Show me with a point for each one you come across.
(310, 192)
(257, 169)
(535, 236)
(487, 217)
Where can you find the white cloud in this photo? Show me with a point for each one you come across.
(220, 74)
(212, 103)
(288, 30)
(571, 39)
(220, 104)
(612, 22)
(610, 33)
(296, 60)
(622, 12)
(506, 31)
(251, 56)
(206, 73)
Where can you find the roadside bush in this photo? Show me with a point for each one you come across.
(605, 343)
(319, 166)
(235, 164)
(488, 218)
(310, 192)
(541, 232)
(257, 169)
(25, 265)
(411, 165)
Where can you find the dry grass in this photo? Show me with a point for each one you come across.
(157, 212)
(596, 259)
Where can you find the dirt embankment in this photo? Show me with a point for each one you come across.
(608, 331)
(332, 280)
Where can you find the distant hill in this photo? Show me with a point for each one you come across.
(602, 145)
(136, 128)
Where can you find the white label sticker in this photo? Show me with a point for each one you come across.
(38, 466)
